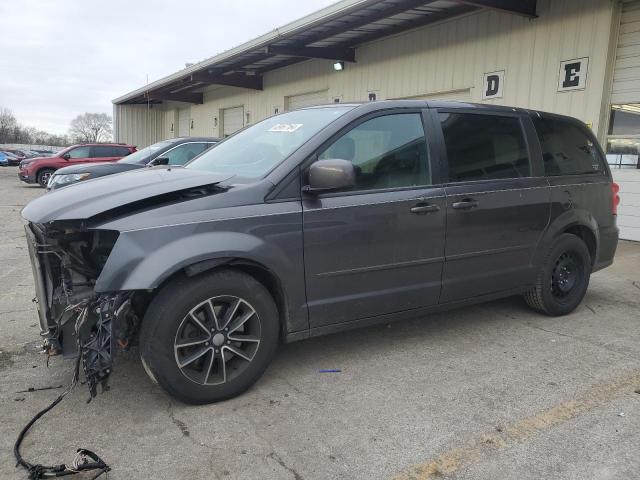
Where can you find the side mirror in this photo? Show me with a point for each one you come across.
(330, 174)
(160, 161)
(66, 156)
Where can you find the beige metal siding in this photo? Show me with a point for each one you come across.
(463, 95)
(184, 117)
(170, 124)
(138, 124)
(232, 120)
(450, 56)
(293, 102)
(626, 79)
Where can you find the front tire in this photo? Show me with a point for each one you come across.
(43, 176)
(563, 279)
(211, 337)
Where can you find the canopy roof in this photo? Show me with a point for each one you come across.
(331, 33)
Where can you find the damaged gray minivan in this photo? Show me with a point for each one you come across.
(316, 221)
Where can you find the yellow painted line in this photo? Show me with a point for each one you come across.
(473, 451)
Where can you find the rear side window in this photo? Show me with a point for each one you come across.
(104, 151)
(567, 149)
(484, 147)
(101, 152)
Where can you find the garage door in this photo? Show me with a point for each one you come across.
(184, 115)
(307, 100)
(629, 209)
(463, 95)
(626, 76)
(232, 120)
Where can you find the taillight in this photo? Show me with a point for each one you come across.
(615, 198)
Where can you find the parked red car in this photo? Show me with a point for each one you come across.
(39, 169)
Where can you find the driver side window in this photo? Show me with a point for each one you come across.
(80, 152)
(387, 152)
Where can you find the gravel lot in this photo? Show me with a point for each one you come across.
(491, 391)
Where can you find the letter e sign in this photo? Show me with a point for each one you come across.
(573, 74)
(493, 85)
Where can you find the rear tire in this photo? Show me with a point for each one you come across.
(43, 176)
(210, 337)
(563, 279)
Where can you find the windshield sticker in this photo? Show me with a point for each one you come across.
(285, 127)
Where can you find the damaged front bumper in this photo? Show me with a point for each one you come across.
(66, 260)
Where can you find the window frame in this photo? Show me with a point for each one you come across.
(430, 147)
(526, 127)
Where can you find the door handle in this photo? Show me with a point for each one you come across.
(418, 209)
(465, 204)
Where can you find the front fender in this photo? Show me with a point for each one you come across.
(140, 262)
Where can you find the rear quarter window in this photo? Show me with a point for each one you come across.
(567, 148)
(121, 151)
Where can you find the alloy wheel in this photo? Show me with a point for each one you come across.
(217, 340)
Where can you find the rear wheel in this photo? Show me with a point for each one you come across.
(44, 175)
(209, 338)
(563, 278)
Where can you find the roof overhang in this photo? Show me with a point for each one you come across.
(332, 33)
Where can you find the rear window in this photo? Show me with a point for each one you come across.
(484, 147)
(567, 149)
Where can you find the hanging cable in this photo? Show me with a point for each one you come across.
(85, 460)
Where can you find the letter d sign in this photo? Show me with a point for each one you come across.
(493, 85)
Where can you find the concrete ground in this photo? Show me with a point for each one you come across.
(492, 391)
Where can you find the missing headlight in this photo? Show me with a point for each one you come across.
(67, 261)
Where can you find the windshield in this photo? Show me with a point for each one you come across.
(142, 156)
(256, 150)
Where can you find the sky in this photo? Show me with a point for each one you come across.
(62, 58)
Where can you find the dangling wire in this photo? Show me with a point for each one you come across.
(85, 460)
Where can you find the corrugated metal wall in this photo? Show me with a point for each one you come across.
(138, 124)
(451, 57)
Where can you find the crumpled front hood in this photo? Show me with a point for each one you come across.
(89, 198)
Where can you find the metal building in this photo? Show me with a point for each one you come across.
(576, 57)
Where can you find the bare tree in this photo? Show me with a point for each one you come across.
(11, 131)
(8, 124)
(91, 127)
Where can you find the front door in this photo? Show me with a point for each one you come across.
(377, 248)
(497, 209)
(81, 154)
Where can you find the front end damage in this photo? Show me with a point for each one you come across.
(67, 259)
